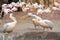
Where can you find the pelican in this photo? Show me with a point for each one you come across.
(45, 24)
(8, 27)
(30, 15)
(38, 21)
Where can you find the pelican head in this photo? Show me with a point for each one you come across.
(30, 14)
(33, 19)
(27, 16)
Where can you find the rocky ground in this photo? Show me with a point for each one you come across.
(24, 29)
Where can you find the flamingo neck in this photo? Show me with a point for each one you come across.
(54, 0)
(19, 1)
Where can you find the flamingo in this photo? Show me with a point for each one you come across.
(13, 3)
(28, 5)
(56, 3)
(39, 11)
(4, 5)
(14, 9)
(19, 1)
(22, 3)
(8, 27)
(10, 6)
(35, 5)
(6, 11)
(43, 12)
(48, 10)
(25, 9)
(40, 6)
(55, 8)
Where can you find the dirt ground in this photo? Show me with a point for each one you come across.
(26, 26)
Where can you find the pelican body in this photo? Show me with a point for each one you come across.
(8, 27)
(43, 23)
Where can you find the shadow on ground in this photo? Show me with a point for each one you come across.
(20, 31)
(39, 36)
(31, 36)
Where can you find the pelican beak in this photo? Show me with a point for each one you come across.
(24, 17)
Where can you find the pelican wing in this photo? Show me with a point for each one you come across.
(50, 23)
(5, 27)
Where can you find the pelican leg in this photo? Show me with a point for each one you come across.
(35, 27)
(5, 32)
(35, 30)
(46, 30)
(43, 29)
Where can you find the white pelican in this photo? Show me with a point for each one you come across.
(35, 16)
(38, 21)
(8, 27)
(45, 24)
(31, 15)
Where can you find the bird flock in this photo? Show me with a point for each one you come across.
(29, 8)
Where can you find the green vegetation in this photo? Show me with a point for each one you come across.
(0, 3)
